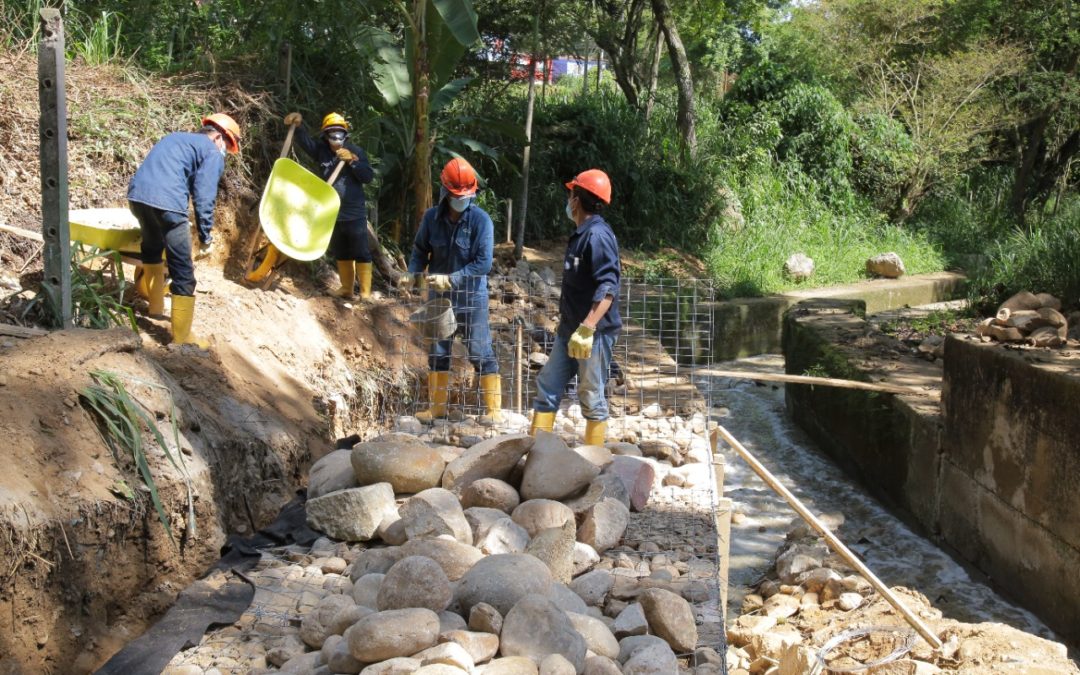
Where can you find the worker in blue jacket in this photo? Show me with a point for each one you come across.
(180, 167)
(589, 320)
(454, 245)
(349, 242)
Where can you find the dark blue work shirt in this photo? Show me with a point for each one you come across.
(462, 250)
(591, 270)
(350, 182)
(181, 166)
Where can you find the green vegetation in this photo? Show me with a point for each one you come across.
(741, 132)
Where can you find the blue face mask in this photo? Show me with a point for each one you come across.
(459, 204)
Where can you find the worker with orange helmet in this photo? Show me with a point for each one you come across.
(181, 167)
(349, 242)
(454, 245)
(589, 321)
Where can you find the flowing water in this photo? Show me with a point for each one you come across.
(756, 416)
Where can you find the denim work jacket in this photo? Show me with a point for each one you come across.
(462, 250)
(181, 166)
(350, 183)
(591, 270)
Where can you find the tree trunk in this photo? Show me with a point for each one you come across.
(422, 143)
(519, 239)
(683, 78)
(585, 76)
(543, 87)
(600, 70)
(654, 72)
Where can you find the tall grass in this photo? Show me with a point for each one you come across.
(96, 40)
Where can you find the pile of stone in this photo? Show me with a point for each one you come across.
(1030, 318)
(497, 559)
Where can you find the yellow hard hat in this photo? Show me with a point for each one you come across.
(334, 120)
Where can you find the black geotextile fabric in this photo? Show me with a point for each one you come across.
(203, 604)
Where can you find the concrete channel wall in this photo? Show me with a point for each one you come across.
(989, 464)
(749, 326)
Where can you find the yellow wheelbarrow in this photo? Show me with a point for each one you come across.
(297, 213)
(111, 229)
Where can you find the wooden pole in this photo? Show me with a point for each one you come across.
(509, 220)
(833, 541)
(518, 363)
(54, 161)
(808, 379)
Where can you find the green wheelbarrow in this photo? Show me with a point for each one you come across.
(297, 212)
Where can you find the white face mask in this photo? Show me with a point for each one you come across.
(570, 212)
(459, 204)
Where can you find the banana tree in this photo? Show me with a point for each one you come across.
(436, 35)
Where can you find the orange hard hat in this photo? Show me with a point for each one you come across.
(228, 128)
(459, 178)
(593, 181)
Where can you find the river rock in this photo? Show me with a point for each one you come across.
(849, 601)
(598, 638)
(540, 514)
(446, 653)
(481, 647)
(631, 622)
(555, 547)
(625, 449)
(637, 476)
(670, 617)
(392, 529)
(315, 627)
(415, 581)
(451, 621)
(592, 587)
(601, 665)
(511, 665)
(660, 449)
(536, 627)
(598, 455)
(330, 474)
(888, 265)
(629, 646)
(503, 536)
(493, 458)
(585, 558)
(396, 632)
(490, 493)
(604, 524)
(556, 664)
(653, 659)
(336, 655)
(781, 606)
(347, 617)
(353, 514)
(365, 590)
(798, 559)
(453, 557)
(375, 561)
(400, 665)
(480, 519)
(814, 580)
(484, 618)
(433, 512)
(553, 471)
(799, 267)
(407, 464)
(690, 476)
(604, 485)
(502, 580)
(566, 600)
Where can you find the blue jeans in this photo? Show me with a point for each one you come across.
(592, 378)
(474, 331)
(169, 232)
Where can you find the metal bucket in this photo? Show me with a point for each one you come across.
(435, 320)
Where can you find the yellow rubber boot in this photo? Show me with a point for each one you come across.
(542, 420)
(595, 432)
(347, 271)
(155, 288)
(139, 282)
(183, 312)
(269, 261)
(438, 383)
(491, 389)
(363, 275)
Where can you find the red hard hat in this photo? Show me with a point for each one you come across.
(593, 181)
(228, 128)
(459, 178)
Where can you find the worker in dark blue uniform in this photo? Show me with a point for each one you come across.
(589, 320)
(180, 167)
(454, 245)
(349, 242)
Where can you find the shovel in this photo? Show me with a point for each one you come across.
(297, 212)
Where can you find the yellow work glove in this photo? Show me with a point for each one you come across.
(406, 281)
(345, 155)
(439, 282)
(580, 345)
(293, 119)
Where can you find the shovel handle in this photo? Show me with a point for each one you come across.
(288, 141)
(337, 171)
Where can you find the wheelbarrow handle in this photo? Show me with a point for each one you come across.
(337, 171)
(288, 140)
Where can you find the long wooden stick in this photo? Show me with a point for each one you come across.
(808, 379)
(830, 538)
(20, 232)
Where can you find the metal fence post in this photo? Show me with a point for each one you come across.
(54, 162)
